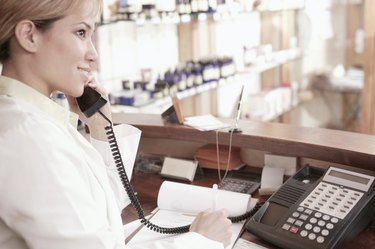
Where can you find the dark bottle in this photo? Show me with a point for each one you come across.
(212, 6)
(161, 86)
(210, 70)
(149, 11)
(197, 71)
(189, 75)
(227, 67)
(169, 77)
(182, 85)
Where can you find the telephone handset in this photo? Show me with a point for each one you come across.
(90, 102)
(317, 209)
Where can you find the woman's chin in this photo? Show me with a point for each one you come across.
(75, 93)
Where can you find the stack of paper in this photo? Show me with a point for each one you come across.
(205, 122)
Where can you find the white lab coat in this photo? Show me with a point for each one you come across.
(56, 189)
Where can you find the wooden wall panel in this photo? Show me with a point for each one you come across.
(354, 22)
(368, 93)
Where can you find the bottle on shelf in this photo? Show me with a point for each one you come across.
(189, 74)
(227, 67)
(210, 70)
(180, 79)
(197, 72)
(160, 88)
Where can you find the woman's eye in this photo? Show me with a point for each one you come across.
(81, 33)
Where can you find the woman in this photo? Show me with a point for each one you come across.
(56, 189)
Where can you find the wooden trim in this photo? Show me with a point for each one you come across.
(348, 148)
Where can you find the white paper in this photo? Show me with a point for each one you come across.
(272, 179)
(245, 244)
(205, 122)
(196, 199)
(167, 218)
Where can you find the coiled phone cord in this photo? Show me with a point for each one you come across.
(133, 198)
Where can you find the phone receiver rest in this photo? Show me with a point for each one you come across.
(90, 101)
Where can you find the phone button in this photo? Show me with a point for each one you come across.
(318, 215)
(334, 220)
(326, 217)
(321, 223)
(308, 226)
(298, 223)
(316, 229)
(303, 217)
(291, 220)
(286, 227)
(329, 225)
(320, 239)
(294, 229)
(312, 236)
(325, 232)
(303, 233)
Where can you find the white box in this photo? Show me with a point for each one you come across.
(179, 168)
(286, 162)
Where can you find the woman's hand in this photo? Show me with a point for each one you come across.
(96, 122)
(214, 225)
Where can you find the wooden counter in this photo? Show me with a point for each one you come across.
(348, 148)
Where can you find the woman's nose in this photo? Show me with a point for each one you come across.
(92, 54)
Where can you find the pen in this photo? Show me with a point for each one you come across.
(236, 129)
(214, 196)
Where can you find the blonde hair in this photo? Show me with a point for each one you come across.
(42, 12)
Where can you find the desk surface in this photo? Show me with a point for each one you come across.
(147, 187)
(348, 148)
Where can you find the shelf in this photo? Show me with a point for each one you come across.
(168, 17)
(164, 102)
(279, 58)
(303, 97)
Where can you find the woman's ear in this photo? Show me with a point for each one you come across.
(26, 35)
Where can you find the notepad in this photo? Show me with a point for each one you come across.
(179, 203)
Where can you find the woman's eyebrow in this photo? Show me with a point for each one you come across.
(86, 24)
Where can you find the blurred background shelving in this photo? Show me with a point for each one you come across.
(301, 61)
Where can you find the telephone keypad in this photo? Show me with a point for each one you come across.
(239, 185)
(310, 224)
